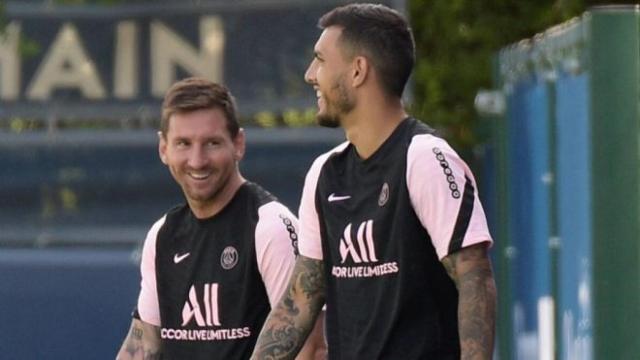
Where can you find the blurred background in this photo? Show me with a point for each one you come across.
(541, 98)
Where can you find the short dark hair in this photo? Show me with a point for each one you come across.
(195, 93)
(382, 35)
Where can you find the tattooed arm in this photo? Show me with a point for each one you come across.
(316, 347)
(470, 269)
(142, 342)
(291, 321)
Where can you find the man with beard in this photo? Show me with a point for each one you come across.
(392, 234)
(211, 268)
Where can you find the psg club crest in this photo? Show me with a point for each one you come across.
(229, 258)
(384, 195)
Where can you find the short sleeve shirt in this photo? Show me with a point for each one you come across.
(382, 226)
(210, 283)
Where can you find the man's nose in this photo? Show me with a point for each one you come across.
(197, 158)
(310, 74)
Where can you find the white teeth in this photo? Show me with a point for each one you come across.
(318, 94)
(199, 176)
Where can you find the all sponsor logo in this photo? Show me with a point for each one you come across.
(365, 251)
(202, 308)
(193, 308)
(359, 258)
(205, 334)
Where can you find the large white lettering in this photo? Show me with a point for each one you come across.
(169, 50)
(10, 62)
(66, 65)
(125, 74)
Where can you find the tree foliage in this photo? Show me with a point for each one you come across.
(2, 18)
(456, 41)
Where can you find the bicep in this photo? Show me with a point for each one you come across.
(469, 264)
(142, 342)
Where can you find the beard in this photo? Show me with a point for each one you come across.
(327, 120)
(219, 180)
(334, 110)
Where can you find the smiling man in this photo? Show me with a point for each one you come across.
(392, 232)
(211, 268)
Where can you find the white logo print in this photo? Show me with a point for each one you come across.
(192, 307)
(365, 263)
(178, 258)
(365, 251)
(203, 308)
(334, 197)
(229, 257)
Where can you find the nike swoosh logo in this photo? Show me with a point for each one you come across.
(178, 258)
(334, 197)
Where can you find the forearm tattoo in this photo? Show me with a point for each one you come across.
(136, 347)
(136, 333)
(289, 324)
(471, 271)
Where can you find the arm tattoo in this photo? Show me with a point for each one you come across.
(136, 333)
(291, 321)
(470, 269)
(142, 343)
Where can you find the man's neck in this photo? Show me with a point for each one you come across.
(368, 127)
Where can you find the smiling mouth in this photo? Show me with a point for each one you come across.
(319, 99)
(199, 176)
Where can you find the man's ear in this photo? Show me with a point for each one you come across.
(162, 147)
(239, 145)
(360, 70)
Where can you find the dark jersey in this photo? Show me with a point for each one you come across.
(208, 283)
(382, 225)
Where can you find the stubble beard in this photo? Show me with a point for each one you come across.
(203, 198)
(343, 105)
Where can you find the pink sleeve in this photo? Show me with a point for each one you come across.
(148, 307)
(444, 195)
(276, 239)
(310, 244)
